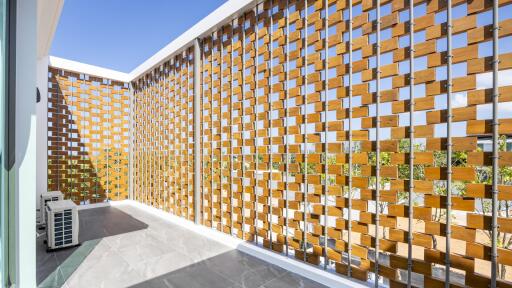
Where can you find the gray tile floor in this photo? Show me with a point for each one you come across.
(95, 224)
(156, 253)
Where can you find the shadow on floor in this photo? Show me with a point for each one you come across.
(230, 269)
(95, 223)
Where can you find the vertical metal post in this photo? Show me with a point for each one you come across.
(187, 136)
(197, 130)
(140, 150)
(151, 85)
(256, 129)
(182, 140)
(176, 140)
(187, 156)
(172, 82)
(156, 142)
(161, 152)
(157, 149)
(243, 127)
(269, 148)
(108, 145)
(211, 130)
(377, 151)
(220, 131)
(138, 143)
(162, 136)
(145, 146)
(170, 125)
(305, 125)
(350, 91)
(82, 111)
(154, 122)
(495, 146)
(149, 165)
(153, 172)
(156, 172)
(411, 143)
(156, 139)
(231, 130)
(148, 143)
(131, 144)
(168, 128)
(142, 142)
(147, 97)
(449, 144)
(203, 188)
(177, 111)
(326, 129)
(168, 114)
(287, 163)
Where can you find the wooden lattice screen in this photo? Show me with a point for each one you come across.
(306, 106)
(88, 136)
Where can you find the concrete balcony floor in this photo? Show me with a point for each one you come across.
(124, 246)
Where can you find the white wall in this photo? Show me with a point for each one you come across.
(25, 143)
(36, 21)
(48, 14)
(42, 128)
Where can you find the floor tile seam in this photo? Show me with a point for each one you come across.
(113, 250)
(280, 275)
(110, 239)
(146, 260)
(139, 277)
(272, 266)
(302, 278)
(225, 277)
(248, 271)
(212, 270)
(267, 264)
(174, 250)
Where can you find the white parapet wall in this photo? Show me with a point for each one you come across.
(88, 69)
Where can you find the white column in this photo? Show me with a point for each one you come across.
(23, 174)
(42, 128)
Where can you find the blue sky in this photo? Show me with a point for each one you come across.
(119, 34)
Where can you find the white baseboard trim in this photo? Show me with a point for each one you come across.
(95, 205)
(305, 270)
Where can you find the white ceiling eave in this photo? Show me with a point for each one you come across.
(48, 14)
